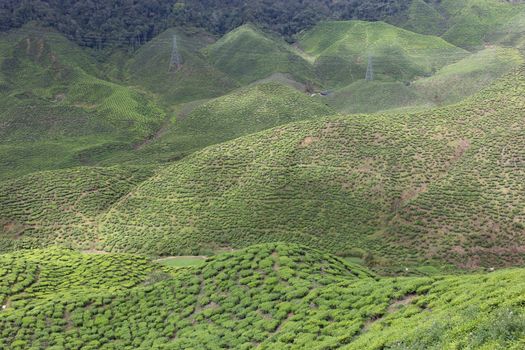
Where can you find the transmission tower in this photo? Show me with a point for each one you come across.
(370, 69)
(176, 59)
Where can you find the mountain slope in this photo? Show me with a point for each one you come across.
(247, 54)
(346, 182)
(61, 206)
(242, 112)
(195, 79)
(342, 50)
(272, 296)
(57, 112)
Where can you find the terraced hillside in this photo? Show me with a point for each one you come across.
(407, 187)
(267, 296)
(341, 51)
(242, 112)
(61, 206)
(195, 79)
(465, 23)
(57, 112)
(247, 54)
(448, 85)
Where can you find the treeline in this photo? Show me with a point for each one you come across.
(129, 23)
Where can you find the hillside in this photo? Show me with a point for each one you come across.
(242, 112)
(450, 84)
(466, 23)
(342, 51)
(195, 79)
(345, 183)
(267, 296)
(57, 112)
(247, 54)
(61, 206)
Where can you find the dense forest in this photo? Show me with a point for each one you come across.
(130, 23)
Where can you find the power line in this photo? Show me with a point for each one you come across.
(369, 70)
(176, 59)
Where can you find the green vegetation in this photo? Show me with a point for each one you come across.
(391, 185)
(182, 261)
(271, 296)
(131, 24)
(196, 79)
(222, 165)
(248, 54)
(372, 96)
(242, 112)
(31, 276)
(57, 112)
(341, 51)
(459, 80)
(466, 23)
(61, 206)
(448, 85)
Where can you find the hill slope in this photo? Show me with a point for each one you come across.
(342, 183)
(272, 296)
(60, 206)
(342, 50)
(57, 112)
(195, 79)
(247, 54)
(242, 112)
(450, 84)
(466, 23)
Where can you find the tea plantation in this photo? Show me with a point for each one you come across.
(58, 111)
(404, 188)
(271, 296)
(61, 205)
(241, 112)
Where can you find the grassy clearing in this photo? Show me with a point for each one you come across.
(182, 261)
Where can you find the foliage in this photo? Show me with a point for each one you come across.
(466, 23)
(57, 110)
(132, 23)
(62, 205)
(342, 49)
(272, 296)
(242, 112)
(450, 84)
(440, 184)
(247, 54)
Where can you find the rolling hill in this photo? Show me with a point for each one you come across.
(450, 84)
(61, 206)
(380, 184)
(247, 54)
(195, 79)
(342, 51)
(241, 112)
(466, 23)
(272, 296)
(57, 112)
